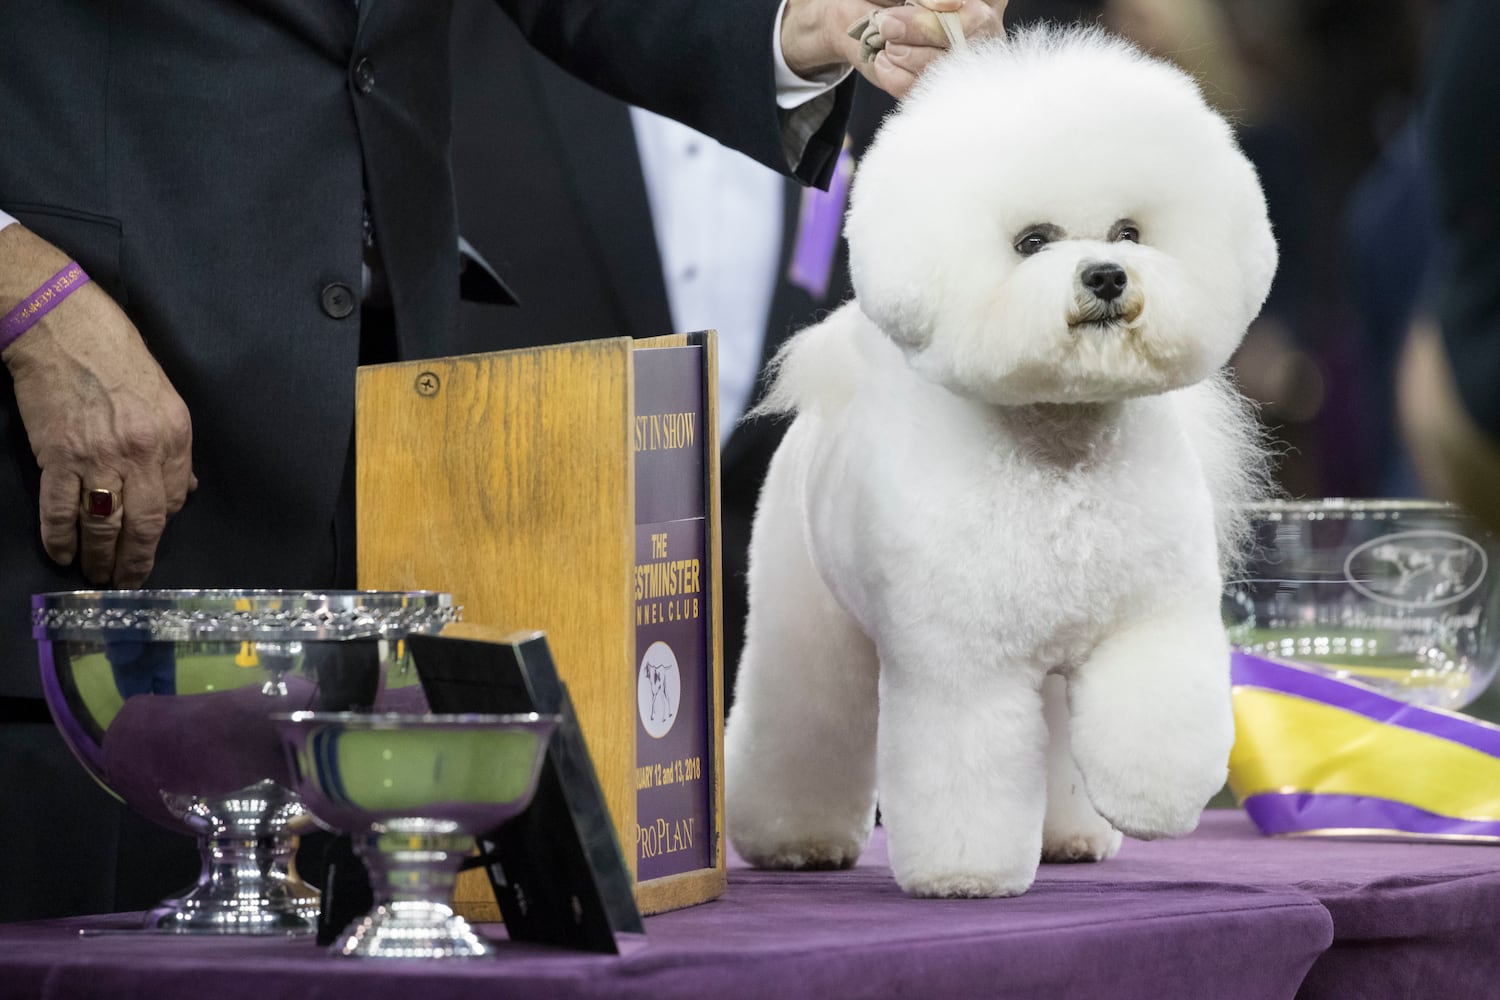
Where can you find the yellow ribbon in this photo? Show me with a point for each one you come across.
(1290, 744)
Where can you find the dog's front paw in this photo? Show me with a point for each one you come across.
(1151, 812)
(1092, 845)
(965, 884)
(811, 854)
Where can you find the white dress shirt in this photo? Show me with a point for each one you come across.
(717, 218)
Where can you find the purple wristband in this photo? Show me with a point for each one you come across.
(40, 302)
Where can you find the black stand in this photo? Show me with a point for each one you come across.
(557, 869)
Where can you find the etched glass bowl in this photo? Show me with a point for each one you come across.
(1395, 594)
(166, 698)
(413, 791)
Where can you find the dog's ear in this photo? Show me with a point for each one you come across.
(894, 280)
(902, 317)
(1259, 254)
(896, 231)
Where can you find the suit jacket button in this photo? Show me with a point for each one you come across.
(338, 300)
(364, 76)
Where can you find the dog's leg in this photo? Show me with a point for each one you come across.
(962, 770)
(1151, 721)
(1073, 830)
(799, 746)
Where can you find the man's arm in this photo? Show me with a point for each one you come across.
(99, 413)
(711, 65)
(815, 36)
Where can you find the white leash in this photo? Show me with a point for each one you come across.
(867, 30)
(953, 27)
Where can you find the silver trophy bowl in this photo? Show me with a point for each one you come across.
(1395, 594)
(166, 698)
(413, 791)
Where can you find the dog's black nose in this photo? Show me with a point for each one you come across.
(1107, 281)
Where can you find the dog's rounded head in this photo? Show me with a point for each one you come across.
(1059, 218)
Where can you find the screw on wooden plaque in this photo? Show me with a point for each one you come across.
(427, 384)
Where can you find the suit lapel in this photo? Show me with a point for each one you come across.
(605, 176)
(792, 308)
(791, 304)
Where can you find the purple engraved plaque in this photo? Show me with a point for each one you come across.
(674, 752)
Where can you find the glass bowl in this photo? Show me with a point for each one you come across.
(166, 698)
(1397, 595)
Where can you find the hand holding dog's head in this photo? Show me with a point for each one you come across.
(1059, 219)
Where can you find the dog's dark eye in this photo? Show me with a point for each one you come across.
(1031, 243)
(1126, 232)
(1036, 236)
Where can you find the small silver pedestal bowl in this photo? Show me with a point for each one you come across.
(413, 791)
(1394, 594)
(166, 698)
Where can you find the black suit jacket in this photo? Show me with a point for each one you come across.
(205, 162)
(550, 191)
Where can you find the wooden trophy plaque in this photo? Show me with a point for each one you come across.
(574, 489)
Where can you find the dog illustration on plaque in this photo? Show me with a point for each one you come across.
(658, 689)
(987, 558)
(661, 705)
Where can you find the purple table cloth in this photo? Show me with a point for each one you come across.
(1410, 920)
(1222, 914)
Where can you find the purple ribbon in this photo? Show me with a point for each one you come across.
(819, 222)
(1305, 812)
(40, 302)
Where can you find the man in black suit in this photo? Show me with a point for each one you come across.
(580, 250)
(229, 174)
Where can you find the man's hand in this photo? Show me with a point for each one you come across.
(100, 414)
(815, 36)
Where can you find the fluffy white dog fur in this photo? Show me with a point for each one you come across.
(987, 559)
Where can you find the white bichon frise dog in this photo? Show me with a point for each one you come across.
(987, 559)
